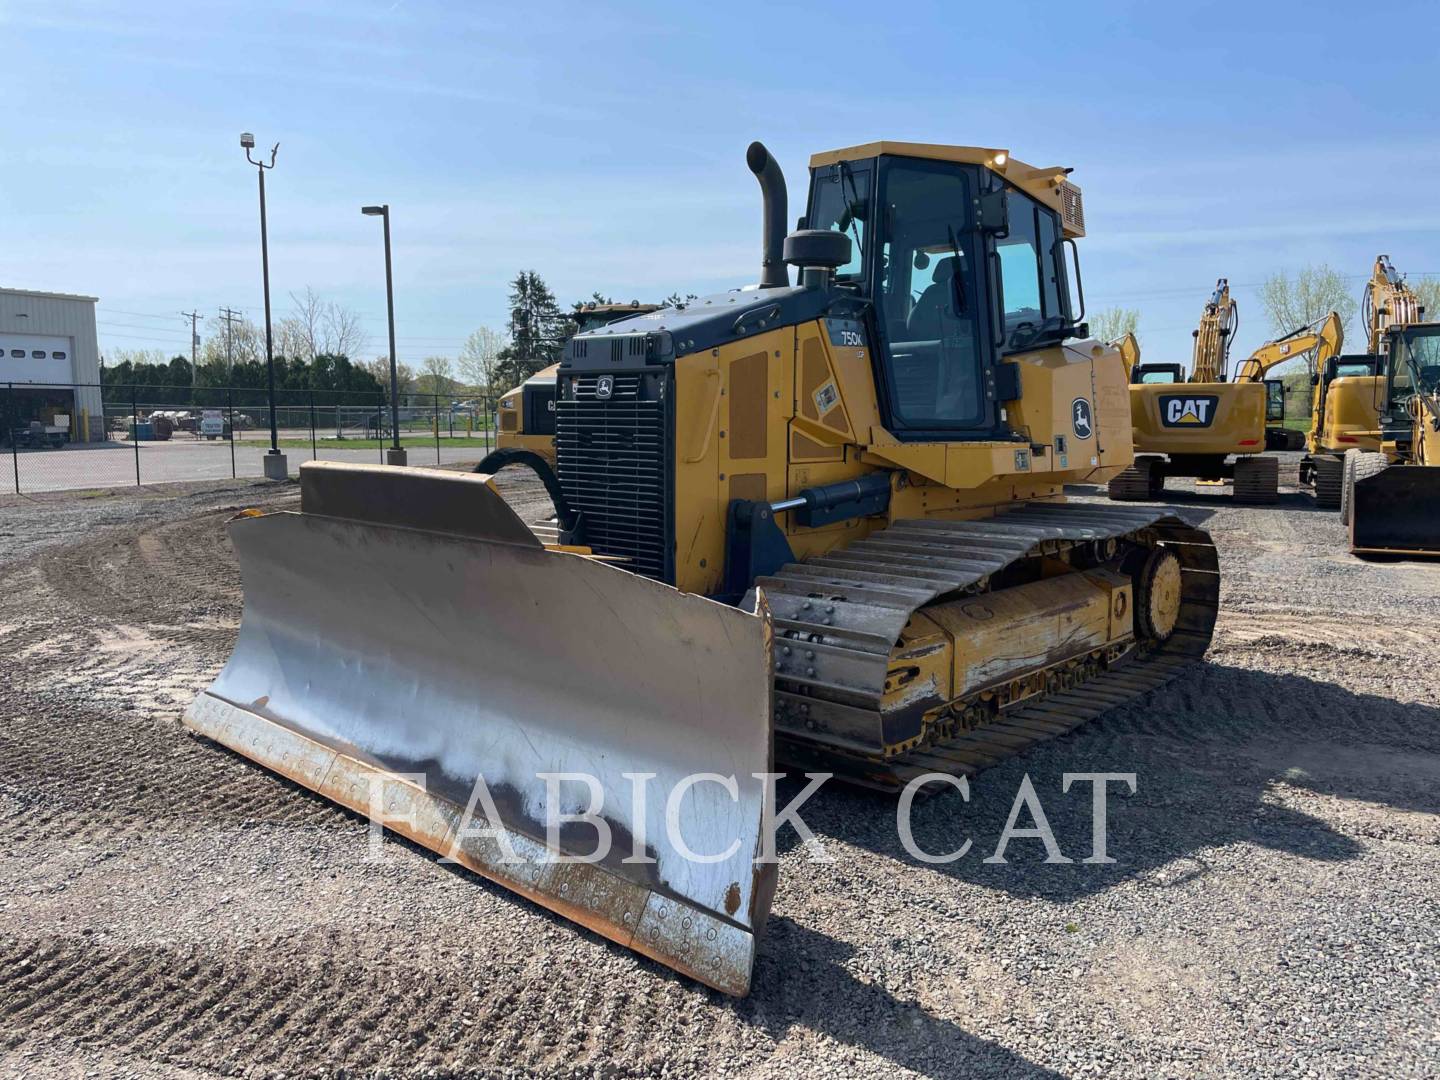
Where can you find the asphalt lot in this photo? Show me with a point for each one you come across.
(182, 459)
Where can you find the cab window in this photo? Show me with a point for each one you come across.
(926, 298)
(1030, 276)
(841, 201)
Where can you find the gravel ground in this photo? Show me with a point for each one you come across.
(169, 910)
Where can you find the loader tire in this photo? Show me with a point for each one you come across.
(1329, 474)
(1137, 483)
(1359, 465)
(1257, 481)
(496, 460)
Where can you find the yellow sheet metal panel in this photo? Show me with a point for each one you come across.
(1198, 418)
(1351, 419)
(731, 408)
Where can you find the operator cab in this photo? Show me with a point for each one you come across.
(960, 251)
(1412, 372)
(1357, 365)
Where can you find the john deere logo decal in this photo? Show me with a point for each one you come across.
(1080, 418)
(604, 387)
(1185, 410)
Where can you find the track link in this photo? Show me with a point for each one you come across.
(1257, 480)
(838, 616)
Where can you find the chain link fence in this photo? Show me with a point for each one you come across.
(82, 436)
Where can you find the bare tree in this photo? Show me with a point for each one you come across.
(137, 357)
(1427, 289)
(1314, 293)
(237, 341)
(317, 327)
(480, 357)
(1114, 323)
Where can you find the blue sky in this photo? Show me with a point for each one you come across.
(603, 146)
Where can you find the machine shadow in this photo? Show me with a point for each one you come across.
(1207, 751)
(801, 979)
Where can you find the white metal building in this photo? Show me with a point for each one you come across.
(50, 360)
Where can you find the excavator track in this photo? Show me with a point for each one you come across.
(838, 617)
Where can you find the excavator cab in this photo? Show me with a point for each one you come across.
(1274, 401)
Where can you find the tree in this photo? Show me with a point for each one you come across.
(435, 376)
(480, 358)
(1114, 323)
(238, 341)
(379, 368)
(538, 328)
(317, 327)
(597, 298)
(1315, 292)
(675, 300)
(1427, 289)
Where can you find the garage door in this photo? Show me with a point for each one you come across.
(33, 358)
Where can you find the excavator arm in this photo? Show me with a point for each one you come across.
(1218, 323)
(1326, 336)
(1389, 302)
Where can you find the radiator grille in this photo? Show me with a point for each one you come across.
(612, 459)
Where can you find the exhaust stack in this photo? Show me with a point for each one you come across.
(772, 190)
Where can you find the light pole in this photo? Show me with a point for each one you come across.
(396, 454)
(275, 466)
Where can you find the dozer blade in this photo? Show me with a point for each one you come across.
(1397, 512)
(405, 634)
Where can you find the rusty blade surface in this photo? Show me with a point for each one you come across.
(388, 668)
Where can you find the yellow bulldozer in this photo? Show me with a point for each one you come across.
(819, 523)
(1390, 496)
(1214, 430)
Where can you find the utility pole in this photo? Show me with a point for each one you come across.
(194, 317)
(229, 316)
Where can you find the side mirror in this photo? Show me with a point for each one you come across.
(992, 211)
(1314, 380)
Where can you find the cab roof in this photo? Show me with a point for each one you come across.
(1049, 185)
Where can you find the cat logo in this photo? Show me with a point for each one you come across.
(1178, 410)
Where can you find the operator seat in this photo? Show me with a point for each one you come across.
(936, 304)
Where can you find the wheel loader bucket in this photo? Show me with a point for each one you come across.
(406, 637)
(1397, 512)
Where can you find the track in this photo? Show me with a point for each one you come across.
(839, 615)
